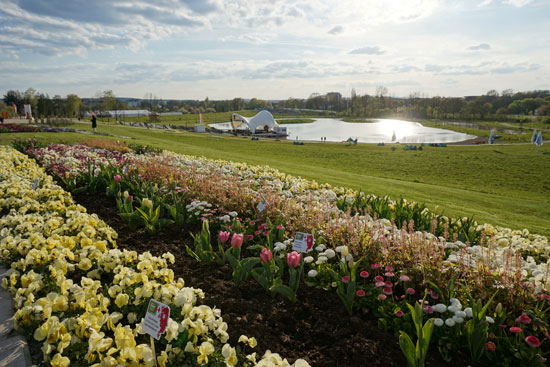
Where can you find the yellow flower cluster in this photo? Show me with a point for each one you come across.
(83, 298)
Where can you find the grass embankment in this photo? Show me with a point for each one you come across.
(505, 185)
(208, 118)
(521, 134)
(358, 119)
(294, 121)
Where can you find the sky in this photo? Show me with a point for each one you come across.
(273, 49)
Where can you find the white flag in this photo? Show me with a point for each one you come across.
(539, 139)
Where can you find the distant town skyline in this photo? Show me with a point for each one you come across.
(193, 49)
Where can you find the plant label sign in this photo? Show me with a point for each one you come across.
(35, 184)
(156, 318)
(303, 242)
(262, 205)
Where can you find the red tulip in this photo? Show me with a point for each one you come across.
(293, 259)
(237, 240)
(224, 236)
(266, 255)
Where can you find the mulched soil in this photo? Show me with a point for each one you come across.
(316, 328)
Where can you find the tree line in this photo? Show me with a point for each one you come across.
(506, 105)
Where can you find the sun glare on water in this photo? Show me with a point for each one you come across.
(400, 128)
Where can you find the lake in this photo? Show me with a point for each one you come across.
(379, 131)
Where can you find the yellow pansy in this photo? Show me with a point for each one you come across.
(205, 350)
(60, 361)
(122, 300)
(250, 341)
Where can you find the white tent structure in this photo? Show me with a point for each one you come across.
(263, 118)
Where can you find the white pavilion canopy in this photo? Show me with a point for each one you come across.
(263, 118)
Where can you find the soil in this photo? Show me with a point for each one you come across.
(316, 328)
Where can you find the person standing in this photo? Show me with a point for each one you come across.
(94, 122)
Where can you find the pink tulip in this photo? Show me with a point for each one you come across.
(237, 240)
(266, 255)
(223, 236)
(533, 341)
(117, 178)
(293, 259)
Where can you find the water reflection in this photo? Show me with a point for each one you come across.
(379, 131)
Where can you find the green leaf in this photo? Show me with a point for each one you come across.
(284, 291)
(408, 349)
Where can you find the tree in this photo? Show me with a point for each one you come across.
(45, 106)
(109, 101)
(14, 96)
(31, 97)
(516, 107)
(72, 106)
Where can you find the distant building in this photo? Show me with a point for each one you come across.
(199, 129)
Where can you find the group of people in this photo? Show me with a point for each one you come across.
(323, 139)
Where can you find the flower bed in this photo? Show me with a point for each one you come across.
(370, 263)
(84, 299)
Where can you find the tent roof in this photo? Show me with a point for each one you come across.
(262, 118)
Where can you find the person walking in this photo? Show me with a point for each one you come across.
(94, 123)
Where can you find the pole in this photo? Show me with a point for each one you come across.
(153, 349)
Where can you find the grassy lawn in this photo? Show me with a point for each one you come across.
(208, 118)
(501, 184)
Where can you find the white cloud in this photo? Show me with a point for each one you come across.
(485, 3)
(369, 50)
(518, 3)
(481, 46)
(336, 30)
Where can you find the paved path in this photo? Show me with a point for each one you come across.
(14, 351)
